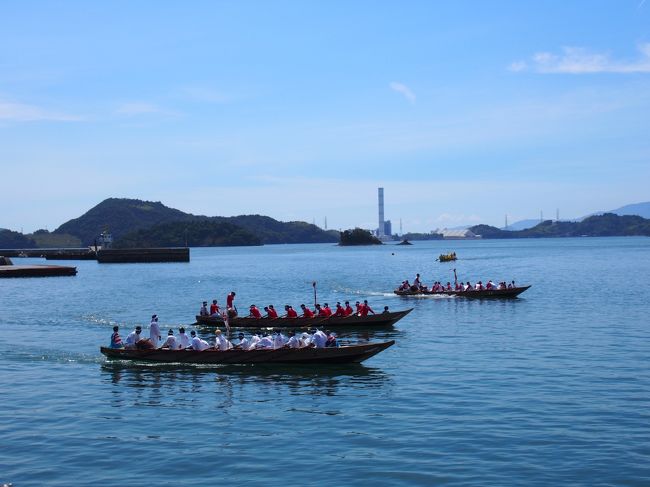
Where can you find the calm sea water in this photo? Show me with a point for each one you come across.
(550, 389)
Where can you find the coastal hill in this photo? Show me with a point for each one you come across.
(15, 240)
(136, 223)
(607, 225)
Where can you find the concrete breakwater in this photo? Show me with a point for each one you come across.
(168, 254)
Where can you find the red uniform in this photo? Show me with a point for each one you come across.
(229, 299)
(327, 310)
(364, 309)
(273, 313)
(214, 309)
(348, 310)
(255, 312)
(291, 313)
(307, 313)
(340, 311)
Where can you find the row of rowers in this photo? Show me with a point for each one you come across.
(362, 309)
(134, 340)
(458, 286)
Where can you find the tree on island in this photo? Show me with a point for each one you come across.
(358, 236)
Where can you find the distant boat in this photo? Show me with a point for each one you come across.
(512, 292)
(447, 257)
(307, 355)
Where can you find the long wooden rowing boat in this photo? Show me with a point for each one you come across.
(334, 355)
(353, 321)
(512, 292)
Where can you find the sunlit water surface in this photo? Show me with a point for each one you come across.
(552, 388)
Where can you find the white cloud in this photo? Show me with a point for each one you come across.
(577, 60)
(404, 90)
(21, 112)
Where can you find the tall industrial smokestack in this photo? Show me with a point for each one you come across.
(380, 195)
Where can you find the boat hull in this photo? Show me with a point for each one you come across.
(334, 355)
(352, 321)
(484, 294)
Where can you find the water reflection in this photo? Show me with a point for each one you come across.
(157, 384)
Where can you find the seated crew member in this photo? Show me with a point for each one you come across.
(272, 312)
(357, 305)
(133, 338)
(305, 339)
(365, 309)
(306, 312)
(255, 339)
(243, 344)
(265, 342)
(416, 282)
(254, 312)
(204, 309)
(348, 309)
(513, 284)
(221, 342)
(339, 311)
(327, 309)
(214, 308)
(116, 340)
(183, 339)
(197, 343)
(171, 342)
(331, 340)
(291, 313)
(468, 287)
(294, 341)
(448, 288)
(320, 312)
(266, 310)
(279, 339)
(479, 286)
(385, 310)
(318, 339)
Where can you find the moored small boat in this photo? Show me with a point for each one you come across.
(352, 321)
(307, 355)
(512, 292)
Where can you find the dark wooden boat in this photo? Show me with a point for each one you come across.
(484, 294)
(338, 355)
(353, 321)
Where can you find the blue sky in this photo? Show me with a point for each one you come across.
(464, 111)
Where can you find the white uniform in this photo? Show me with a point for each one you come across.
(222, 343)
(319, 338)
(171, 342)
(255, 339)
(154, 333)
(294, 342)
(265, 342)
(199, 344)
(244, 344)
(278, 341)
(305, 340)
(183, 340)
(132, 338)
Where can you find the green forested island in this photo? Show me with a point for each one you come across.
(358, 236)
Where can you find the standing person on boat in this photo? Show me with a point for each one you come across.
(294, 341)
(183, 339)
(133, 337)
(272, 312)
(254, 312)
(204, 309)
(416, 282)
(214, 308)
(171, 342)
(230, 304)
(318, 338)
(365, 308)
(348, 309)
(116, 340)
(197, 343)
(306, 312)
(154, 331)
(221, 342)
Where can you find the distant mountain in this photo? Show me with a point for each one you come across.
(120, 216)
(15, 240)
(132, 218)
(202, 233)
(607, 225)
(640, 209)
(522, 224)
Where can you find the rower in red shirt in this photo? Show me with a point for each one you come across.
(348, 309)
(327, 310)
(306, 312)
(291, 313)
(229, 299)
(364, 309)
(340, 312)
(255, 312)
(272, 312)
(358, 306)
(214, 308)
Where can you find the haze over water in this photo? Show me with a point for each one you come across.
(552, 388)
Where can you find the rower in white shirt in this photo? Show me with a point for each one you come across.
(265, 342)
(221, 342)
(294, 341)
(255, 339)
(279, 340)
(133, 337)
(197, 343)
(319, 339)
(244, 343)
(154, 331)
(305, 339)
(171, 342)
(183, 339)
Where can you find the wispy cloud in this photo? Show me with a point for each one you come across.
(404, 90)
(577, 60)
(134, 109)
(22, 112)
